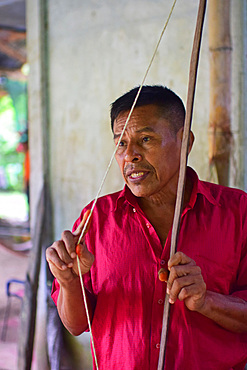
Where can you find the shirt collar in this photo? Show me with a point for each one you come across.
(199, 187)
(126, 194)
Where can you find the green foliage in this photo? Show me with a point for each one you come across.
(5, 104)
(11, 161)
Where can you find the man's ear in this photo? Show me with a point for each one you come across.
(180, 137)
(192, 139)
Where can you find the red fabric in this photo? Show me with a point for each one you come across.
(124, 280)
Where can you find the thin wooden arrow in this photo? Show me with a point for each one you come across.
(183, 165)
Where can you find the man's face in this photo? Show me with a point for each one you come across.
(149, 152)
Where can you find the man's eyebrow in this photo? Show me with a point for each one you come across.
(143, 129)
(116, 136)
(146, 129)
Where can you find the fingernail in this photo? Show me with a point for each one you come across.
(171, 301)
(64, 267)
(70, 264)
(168, 291)
(73, 255)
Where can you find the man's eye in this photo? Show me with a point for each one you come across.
(146, 139)
(120, 144)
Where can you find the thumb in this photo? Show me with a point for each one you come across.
(86, 257)
(80, 227)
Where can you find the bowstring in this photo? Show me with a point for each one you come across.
(107, 171)
(87, 311)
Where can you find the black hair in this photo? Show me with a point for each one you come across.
(170, 105)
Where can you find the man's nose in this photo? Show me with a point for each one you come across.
(132, 154)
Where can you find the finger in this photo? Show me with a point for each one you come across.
(61, 275)
(179, 258)
(70, 244)
(180, 271)
(183, 270)
(60, 259)
(85, 220)
(180, 282)
(195, 291)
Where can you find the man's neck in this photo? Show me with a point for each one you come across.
(165, 199)
(160, 209)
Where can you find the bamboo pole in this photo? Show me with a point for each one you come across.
(220, 136)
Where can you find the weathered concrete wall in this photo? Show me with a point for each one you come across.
(97, 51)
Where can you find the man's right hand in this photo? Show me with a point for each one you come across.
(61, 255)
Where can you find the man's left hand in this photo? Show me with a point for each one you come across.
(185, 282)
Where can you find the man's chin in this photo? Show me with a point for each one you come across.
(138, 190)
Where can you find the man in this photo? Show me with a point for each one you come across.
(129, 241)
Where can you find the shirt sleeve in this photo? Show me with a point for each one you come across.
(55, 291)
(241, 283)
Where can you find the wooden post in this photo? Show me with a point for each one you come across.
(41, 216)
(220, 136)
(29, 306)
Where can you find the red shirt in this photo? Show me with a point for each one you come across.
(129, 296)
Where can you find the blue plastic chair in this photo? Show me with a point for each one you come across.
(11, 293)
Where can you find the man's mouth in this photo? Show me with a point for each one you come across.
(135, 175)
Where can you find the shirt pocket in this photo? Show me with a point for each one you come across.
(219, 275)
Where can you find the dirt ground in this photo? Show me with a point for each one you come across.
(13, 264)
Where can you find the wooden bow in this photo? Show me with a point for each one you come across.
(183, 164)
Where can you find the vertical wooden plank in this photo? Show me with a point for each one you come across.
(29, 306)
(41, 215)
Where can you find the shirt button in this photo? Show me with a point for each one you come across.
(148, 225)
(134, 210)
(160, 301)
(162, 262)
(157, 345)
